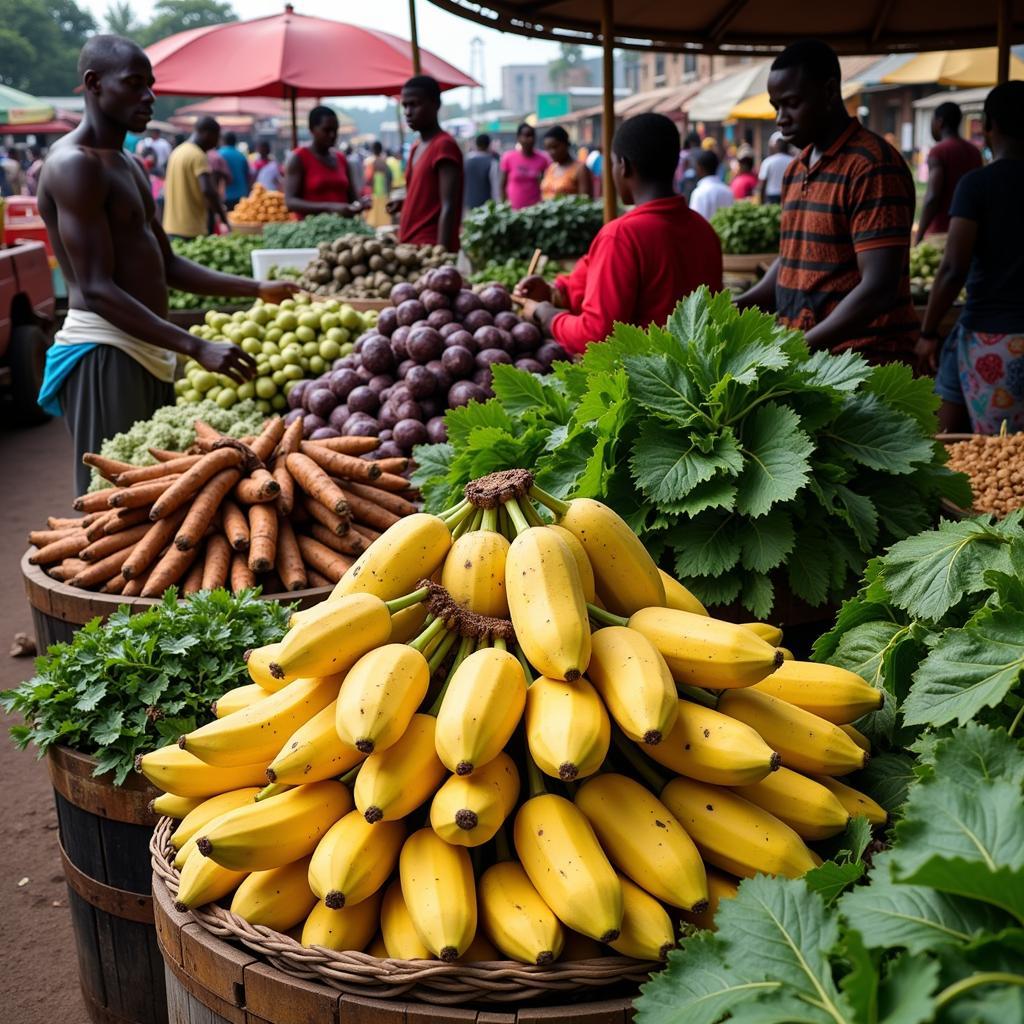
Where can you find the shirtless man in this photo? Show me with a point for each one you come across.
(114, 360)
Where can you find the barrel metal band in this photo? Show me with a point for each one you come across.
(132, 906)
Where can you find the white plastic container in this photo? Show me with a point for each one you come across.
(264, 259)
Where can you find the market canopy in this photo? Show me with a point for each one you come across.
(715, 101)
(17, 108)
(966, 69)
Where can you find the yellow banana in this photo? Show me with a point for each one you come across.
(808, 808)
(401, 940)
(275, 831)
(439, 893)
(379, 696)
(167, 805)
(545, 600)
(581, 947)
(278, 898)
(627, 578)
(411, 550)
(712, 747)
(832, 693)
(806, 742)
(407, 624)
(720, 887)
(349, 929)
(238, 698)
(515, 917)
(678, 597)
(480, 710)
(177, 771)
(856, 803)
(858, 737)
(647, 932)
(480, 950)
(787, 654)
(634, 682)
(354, 859)
(644, 840)
(256, 733)
(313, 752)
(768, 633)
(734, 834)
(394, 782)
(702, 651)
(186, 851)
(206, 811)
(331, 637)
(474, 573)
(469, 809)
(567, 728)
(203, 881)
(562, 857)
(377, 947)
(257, 663)
(583, 566)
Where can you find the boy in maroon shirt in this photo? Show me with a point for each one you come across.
(431, 212)
(640, 265)
(948, 161)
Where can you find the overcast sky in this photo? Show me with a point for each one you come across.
(445, 34)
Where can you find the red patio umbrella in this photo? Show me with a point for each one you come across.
(290, 55)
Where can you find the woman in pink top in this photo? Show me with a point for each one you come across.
(521, 170)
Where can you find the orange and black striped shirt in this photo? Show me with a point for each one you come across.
(858, 196)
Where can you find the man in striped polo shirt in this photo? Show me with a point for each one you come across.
(848, 201)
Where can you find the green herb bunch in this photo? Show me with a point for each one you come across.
(740, 458)
(560, 228)
(510, 272)
(309, 233)
(745, 228)
(140, 681)
(230, 254)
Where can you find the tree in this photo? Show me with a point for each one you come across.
(173, 16)
(119, 19)
(570, 56)
(40, 40)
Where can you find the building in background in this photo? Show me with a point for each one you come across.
(521, 84)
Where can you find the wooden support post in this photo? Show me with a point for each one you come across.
(295, 118)
(611, 205)
(1002, 41)
(414, 36)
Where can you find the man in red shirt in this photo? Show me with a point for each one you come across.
(431, 212)
(640, 265)
(948, 161)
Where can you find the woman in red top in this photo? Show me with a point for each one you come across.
(316, 176)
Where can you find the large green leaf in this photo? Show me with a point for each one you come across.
(874, 435)
(663, 387)
(898, 387)
(766, 541)
(518, 391)
(667, 463)
(707, 546)
(975, 754)
(905, 995)
(844, 372)
(778, 459)
(809, 565)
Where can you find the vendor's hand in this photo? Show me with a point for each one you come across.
(533, 287)
(218, 357)
(276, 291)
(926, 355)
(528, 309)
(394, 206)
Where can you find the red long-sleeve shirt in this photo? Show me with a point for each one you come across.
(638, 268)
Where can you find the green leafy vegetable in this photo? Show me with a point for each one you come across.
(745, 228)
(229, 254)
(311, 231)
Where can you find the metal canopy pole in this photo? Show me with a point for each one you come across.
(611, 205)
(295, 119)
(1002, 41)
(414, 36)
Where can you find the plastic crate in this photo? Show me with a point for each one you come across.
(264, 259)
(22, 222)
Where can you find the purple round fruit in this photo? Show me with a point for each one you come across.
(364, 374)
(360, 425)
(387, 321)
(425, 344)
(529, 365)
(476, 319)
(432, 406)
(488, 357)
(409, 433)
(496, 298)
(527, 337)
(296, 393)
(341, 382)
(387, 416)
(420, 381)
(388, 449)
(436, 430)
(311, 422)
(321, 401)
(506, 340)
(400, 393)
(363, 339)
(410, 410)
(410, 311)
(444, 379)
(402, 293)
(404, 367)
(487, 336)
(458, 361)
(449, 329)
(293, 415)
(363, 399)
(483, 377)
(380, 383)
(465, 302)
(447, 280)
(323, 432)
(462, 392)
(384, 435)
(339, 414)
(377, 355)
(550, 352)
(460, 339)
(434, 300)
(441, 318)
(506, 320)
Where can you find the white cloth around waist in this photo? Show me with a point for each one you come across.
(83, 327)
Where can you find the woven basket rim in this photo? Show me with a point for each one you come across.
(431, 981)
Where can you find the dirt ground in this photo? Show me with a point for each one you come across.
(39, 978)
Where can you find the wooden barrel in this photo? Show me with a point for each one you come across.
(212, 982)
(58, 610)
(104, 847)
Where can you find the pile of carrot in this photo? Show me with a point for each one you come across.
(272, 510)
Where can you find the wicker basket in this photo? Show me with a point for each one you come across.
(356, 973)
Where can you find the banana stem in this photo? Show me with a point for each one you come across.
(529, 510)
(468, 525)
(274, 789)
(527, 669)
(957, 989)
(455, 511)
(349, 778)
(407, 601)
(505, 524)
(490, 520)
(606, 618)
(463, 652)
(647, 772)
(434, 663)
(501, 844)
(556, 505)
(534, 776)
(515, 513)
(427, 635)
(499, 644)
(697, 695)
(463, 514)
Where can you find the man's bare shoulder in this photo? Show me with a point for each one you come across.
(72, 169)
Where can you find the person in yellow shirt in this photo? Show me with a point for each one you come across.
(190, 192)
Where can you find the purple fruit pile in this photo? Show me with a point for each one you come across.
(432, 350)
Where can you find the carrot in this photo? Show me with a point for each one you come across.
(142, 494)
(194, 580)
(68, 568)
(257, 488)
(186, 486)
(349, 445)
(174, 564)
(75, 522)
(96, 501)
(326, 562)
(142, 473)
(339, 464)
(316, 483)
(285, 501)
(369, 512)
(99, 527)
(316, 580)
(204, 432)
(164, 454)
(398, 464)
(325, 517)
(66, 547)
(114, 585)
(269, 438)
(262, 538)
(204, 508)
(134, 587)
(288, 562)
(386, 499)
(370, 535)
(40, 538)
(107, 468)
(107, 545)
(215, 566)
(125, 518)
(241, 575)
(157, 538)
(291, 439)
(391, 482)
(101, 571)
(236, 526)
(350, 543)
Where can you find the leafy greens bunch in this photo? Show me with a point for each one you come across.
(744, 228)
(936, 934)
(309, 233)
(740, 458)
(141, 681)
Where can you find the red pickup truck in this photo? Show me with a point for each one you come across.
(26, 322)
